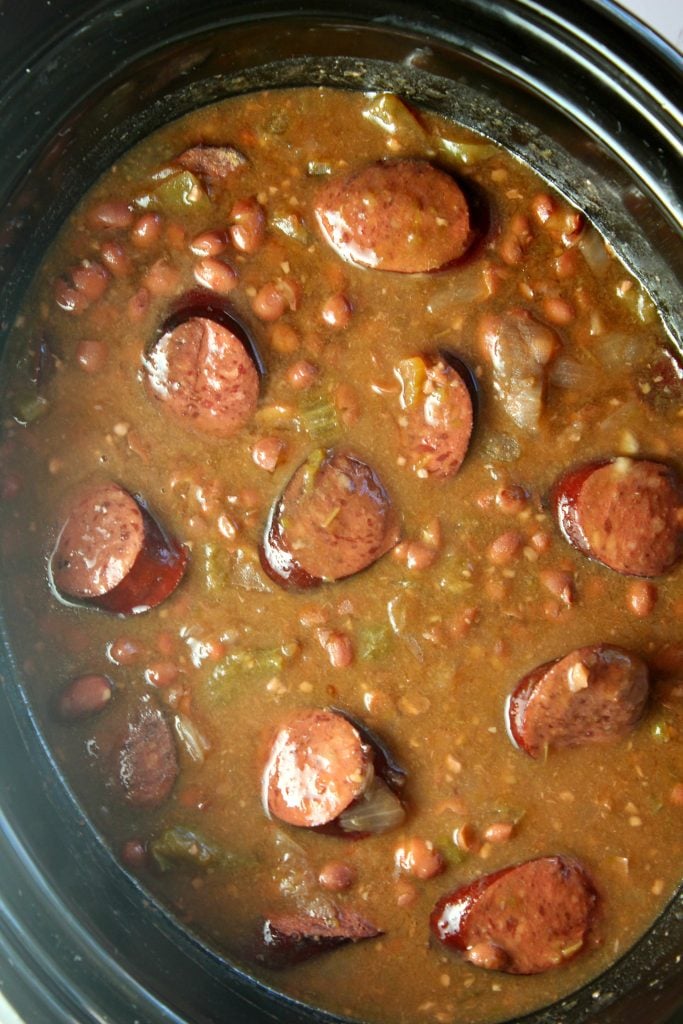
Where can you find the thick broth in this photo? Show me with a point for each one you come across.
(434, 648)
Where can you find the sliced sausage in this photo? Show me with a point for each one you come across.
(405, 216)
(288, 939)
(438, 416)
(316, 767)
(147, 759)
(212, 161)
(626, 513)
(521, 920)
(112, 553)
(592, 695)
(333, 519)
(204, 376)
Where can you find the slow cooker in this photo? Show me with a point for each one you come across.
(80, 82)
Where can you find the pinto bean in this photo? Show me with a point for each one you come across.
(418, 857)
(215, 275)
(336, 876)
(146, 231)
(266, 452)
(248, 225)
(91, 355)
(337, 311)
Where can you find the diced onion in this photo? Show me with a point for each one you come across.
(568, 373)
(378, 810)
(192, 740)
(592, 246)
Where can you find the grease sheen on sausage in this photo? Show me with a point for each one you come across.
(204, 376)
(591, 695)
(113, 554)
(333, 519)
(290, 938)
(438, 416)
(626, 513)
(523, 919)
(317, 766)
(405, 216)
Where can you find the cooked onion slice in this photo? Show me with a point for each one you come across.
(378, 810)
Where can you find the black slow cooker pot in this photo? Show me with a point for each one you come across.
(579, 89)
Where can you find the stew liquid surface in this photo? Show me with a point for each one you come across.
(342, 524)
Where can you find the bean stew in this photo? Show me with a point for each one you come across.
(342, 523)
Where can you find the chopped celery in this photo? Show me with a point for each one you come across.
(224, 569)
(181, 847)
(179, 193)
(249, 665)
(412, 374)
(291, 225)
(310, 469)
(463, 152)
(373, 642)
(28, 406)
(391, 114)
(318, 418)
(661, 730)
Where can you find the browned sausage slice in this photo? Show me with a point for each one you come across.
(212, 161)
(438, 416)
(405, 216)
(521, 920)
(592, 695)
(333, 519)
(317, 766)
(113, 554)
(147, 759)
(204, 376)
(626, 513)
(290, 938)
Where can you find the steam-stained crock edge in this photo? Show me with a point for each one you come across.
(72, 924)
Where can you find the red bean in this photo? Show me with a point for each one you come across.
(512, 499)
(269, 303)
(134, 853)
(161, 673)
(110, 214)
(641, 598)
(414, 554)
(558, 311)
(339, 648)
(499, 832)
(146, 230)
(209, 243)
(419, 858)
(124, 651)
(337, 311)
(116, 259)
(505, 548)
(267, 451)
(560, 584)
(91, 355)
(84, 696)
(219, 277)
(138, 305)
(161, 278)
(302, 375)
(69, 298)
(248, 226)
(91, 279)
(336, 876)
